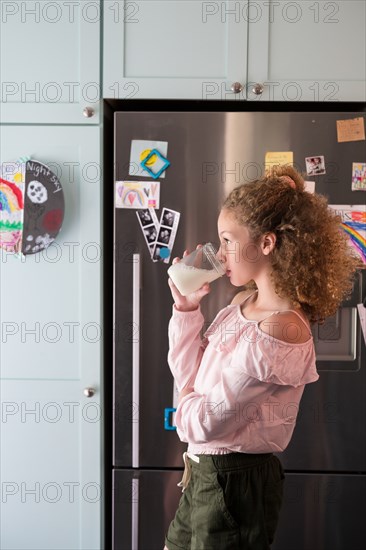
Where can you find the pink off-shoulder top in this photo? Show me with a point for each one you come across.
(247, 385)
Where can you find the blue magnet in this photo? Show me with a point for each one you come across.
(164, 252)
(165, 161)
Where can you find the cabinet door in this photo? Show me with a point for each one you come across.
(308, 51)
(50, 314)
(49, 61)
(177, 49)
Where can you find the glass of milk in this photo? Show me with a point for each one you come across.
(193, 271)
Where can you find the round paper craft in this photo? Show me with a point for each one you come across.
(32, 207)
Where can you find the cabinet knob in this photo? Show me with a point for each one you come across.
(89, 392)
(258, 89)
(88, 112)
(236, 87)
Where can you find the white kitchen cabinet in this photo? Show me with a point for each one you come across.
(51, 351)
(189, 49)
(307, 51)
(50, 61)
(276, 49)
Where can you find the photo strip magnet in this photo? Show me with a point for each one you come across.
(149, 226)
(168, 228)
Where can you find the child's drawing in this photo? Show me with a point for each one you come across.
(31, 206)
(358, 176)
(137, 194)
(354, 224)
(11, 206)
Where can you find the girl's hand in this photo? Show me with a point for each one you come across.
(190, 302)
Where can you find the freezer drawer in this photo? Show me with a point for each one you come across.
(319, 512)
(322, 512)
(144, 503)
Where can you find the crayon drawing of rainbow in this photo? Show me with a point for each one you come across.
(129, 196)
(353, 223)
(353, 230)
(11, 216)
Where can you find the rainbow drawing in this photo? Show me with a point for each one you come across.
(354, 225)
(356, 239)
(10, 196)
(11, 216)
(137, 194)
(129, 196)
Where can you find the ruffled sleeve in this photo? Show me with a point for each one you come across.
(273, 361)
(185, 346)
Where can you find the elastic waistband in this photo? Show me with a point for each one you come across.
(231, 461)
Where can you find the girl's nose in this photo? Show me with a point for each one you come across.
(220, 255)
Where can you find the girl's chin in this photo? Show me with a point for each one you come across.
(235, 280)
(236, 283)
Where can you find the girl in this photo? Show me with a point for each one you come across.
(240, 387)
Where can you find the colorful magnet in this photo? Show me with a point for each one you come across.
(153, 154)
(140, 149)
(164, 253)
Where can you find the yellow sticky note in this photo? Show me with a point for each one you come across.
(351, 129)
(273, 159)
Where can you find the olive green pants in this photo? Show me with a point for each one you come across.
(231, 502)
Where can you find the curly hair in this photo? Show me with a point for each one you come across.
(312, 262)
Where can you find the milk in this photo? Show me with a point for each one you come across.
(188, 279)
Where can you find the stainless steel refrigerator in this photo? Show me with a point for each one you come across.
(210, 152)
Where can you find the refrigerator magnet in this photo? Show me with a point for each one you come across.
(160, 163)
(140, 150)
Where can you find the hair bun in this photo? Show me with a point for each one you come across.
(286, 174)
(288, 180)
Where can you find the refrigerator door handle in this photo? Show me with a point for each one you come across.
(135, 514)
(136, 280)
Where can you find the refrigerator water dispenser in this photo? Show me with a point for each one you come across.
(336, 341)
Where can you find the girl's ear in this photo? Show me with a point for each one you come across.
(268, 243)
